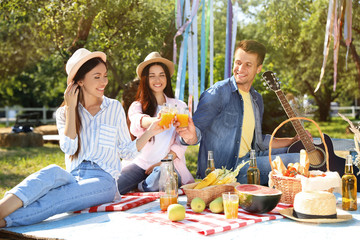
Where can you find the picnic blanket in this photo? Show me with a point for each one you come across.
(207, 223)
(127, 201)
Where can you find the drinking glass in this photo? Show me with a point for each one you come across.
(231, 205)
(182, 117)
(167, 115)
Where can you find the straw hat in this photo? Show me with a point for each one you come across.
(79, 57)
(155, 57)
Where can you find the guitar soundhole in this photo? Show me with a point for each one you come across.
(317, 158)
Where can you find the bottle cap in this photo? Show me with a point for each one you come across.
(252, 153)
(349, 160)
(210, 154)
(166, 160)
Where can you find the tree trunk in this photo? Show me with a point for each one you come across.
(84, 26)
(323, 101)
(356, 59)
(168, 46)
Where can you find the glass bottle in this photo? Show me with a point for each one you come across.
(253, 173)
(210, 163)
(170, 156)
(168, 188)
(349, 186)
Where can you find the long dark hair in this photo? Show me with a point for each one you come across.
(80, 75)
(144, 93)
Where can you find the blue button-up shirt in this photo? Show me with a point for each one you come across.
(219, 116)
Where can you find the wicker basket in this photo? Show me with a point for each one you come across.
(288, 185)
(208, 193)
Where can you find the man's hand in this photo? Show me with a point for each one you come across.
(188, 133)
(297, 137)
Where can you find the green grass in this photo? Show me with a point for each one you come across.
(17, 163)
(335, 129)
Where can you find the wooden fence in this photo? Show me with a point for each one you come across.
(5, 116)
(8, 114)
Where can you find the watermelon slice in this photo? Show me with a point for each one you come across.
(257, 198)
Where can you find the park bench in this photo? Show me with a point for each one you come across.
(28, 119)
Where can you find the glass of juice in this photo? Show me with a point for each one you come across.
(231, 205)
(182, 117)
(166, 200)
(167, 115)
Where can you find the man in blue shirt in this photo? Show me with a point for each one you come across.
(229, 116)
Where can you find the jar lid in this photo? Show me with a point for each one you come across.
(166, 160)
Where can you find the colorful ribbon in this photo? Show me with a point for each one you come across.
(227, 70)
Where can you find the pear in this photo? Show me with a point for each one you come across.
(176, 212)
(197, 205)
(217, 206)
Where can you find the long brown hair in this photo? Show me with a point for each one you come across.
(144, 93)
(80, 75)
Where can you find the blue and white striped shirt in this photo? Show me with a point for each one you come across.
(104, 137)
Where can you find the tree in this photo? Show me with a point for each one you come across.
(36, 32)
(294, 33)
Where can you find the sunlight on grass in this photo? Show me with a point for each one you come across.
(18, 163)
(337, 128)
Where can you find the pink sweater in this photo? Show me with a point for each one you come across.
(169, 140)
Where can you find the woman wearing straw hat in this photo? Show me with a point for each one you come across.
(154, 90)
(93, 134)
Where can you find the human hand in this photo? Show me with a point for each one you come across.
(187, 133)
(71, 94)
(151, 168)
(173, 154)
(297, 137)
(155, 128)
(190, 105)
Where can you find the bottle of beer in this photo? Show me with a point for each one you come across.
(210, 163)
(349, 186)
(253, 173)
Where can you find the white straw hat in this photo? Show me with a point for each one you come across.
(155, 57)
(79, 57)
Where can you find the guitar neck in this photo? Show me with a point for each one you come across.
(304, 137)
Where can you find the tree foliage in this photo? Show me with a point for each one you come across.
(293, 32)
(36, 34)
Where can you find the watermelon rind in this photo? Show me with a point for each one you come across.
(254, 201)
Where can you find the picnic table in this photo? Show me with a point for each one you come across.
(124, 225)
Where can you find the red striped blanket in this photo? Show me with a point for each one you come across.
(207, 223)
(127, 201)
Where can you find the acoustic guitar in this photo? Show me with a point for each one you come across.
(316, 152)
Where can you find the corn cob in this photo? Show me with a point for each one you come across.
(222, 176)
(209, 179)
(231, 177)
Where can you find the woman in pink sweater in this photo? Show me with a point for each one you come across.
(154, 90)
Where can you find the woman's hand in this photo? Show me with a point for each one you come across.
(155, 128)
(151, 168)
(71, 95)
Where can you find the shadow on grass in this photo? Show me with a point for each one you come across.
(18, 163)
(9, 180)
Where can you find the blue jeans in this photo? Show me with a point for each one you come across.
(133, 176)
(262, 160)
(52, 190)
